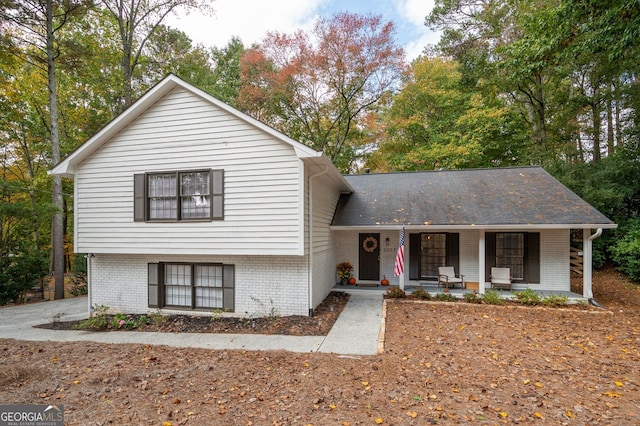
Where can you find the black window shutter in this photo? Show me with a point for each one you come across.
(138, 198)
(532, 258)
(217, 194)
(453, 251)
(414, 256)
(228, 287)
(153, 280)
(490, 254)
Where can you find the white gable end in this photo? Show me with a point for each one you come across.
(263, 184)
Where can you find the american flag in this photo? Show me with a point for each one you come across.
(398, 268)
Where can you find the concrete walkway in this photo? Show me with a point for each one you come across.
(356, 332)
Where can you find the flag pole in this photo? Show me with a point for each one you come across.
(398, 268)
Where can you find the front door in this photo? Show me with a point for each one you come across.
(369, 259)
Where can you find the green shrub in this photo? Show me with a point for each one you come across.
(554, 300)
(20, 271)
(395, 293)
(471, 297)
(445, 297)
(492, 297)
(626, 251)
(421, 293)
(528, 297)
(79, 265)
(99, 319)
(123, 321)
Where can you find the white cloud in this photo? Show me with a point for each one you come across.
(248, 19)
(413, 14)
(252, 19)
(415, 11)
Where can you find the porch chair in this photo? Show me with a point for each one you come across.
(447, 276)
(501, 277)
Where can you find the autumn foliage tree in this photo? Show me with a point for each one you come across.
(318, 87)
(436, 121)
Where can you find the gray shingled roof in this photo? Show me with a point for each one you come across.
(519, 196)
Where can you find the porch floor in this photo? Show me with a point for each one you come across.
(433, 289)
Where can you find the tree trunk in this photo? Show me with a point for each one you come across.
(610, 135)
(57, 232)
(617, 100)
(540, 108)
(127, 75)
(597, 124)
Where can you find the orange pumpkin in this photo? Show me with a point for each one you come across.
(384, 281)
(352, 281)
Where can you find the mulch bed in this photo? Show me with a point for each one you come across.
(324, 316)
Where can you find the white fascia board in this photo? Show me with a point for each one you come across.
(322, 161)
(66, 167)
(467, 227)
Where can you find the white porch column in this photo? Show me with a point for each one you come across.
(587, 261)
(481, 256)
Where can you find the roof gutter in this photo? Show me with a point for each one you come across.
(428, 226)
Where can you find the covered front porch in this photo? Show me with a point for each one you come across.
(544, 256)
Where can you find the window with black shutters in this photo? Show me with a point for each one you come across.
(191, 285)
(179, 196)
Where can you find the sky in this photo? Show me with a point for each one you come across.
(251, 19)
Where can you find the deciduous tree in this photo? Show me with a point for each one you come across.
(36, 25)
(435, 121)
(318, 87)
(138, 21)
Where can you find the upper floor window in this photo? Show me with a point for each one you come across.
(179, 196)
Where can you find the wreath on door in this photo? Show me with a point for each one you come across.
(370, 244)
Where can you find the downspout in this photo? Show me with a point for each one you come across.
(310, 266)
(587, 280)
(482, 253)
(89, 261)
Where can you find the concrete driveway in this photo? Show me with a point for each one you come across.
(356, 332)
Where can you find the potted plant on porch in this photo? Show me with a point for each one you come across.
(344, 272)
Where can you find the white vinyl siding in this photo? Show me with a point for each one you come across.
(262, 192)
(325, 199)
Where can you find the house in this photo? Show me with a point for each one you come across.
(183, 203)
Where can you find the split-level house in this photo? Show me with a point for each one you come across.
(183, 203)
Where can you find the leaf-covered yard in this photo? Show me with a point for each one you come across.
(443, 363)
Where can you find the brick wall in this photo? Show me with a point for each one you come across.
(262, 283)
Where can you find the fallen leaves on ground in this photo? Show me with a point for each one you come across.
(507, 365)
